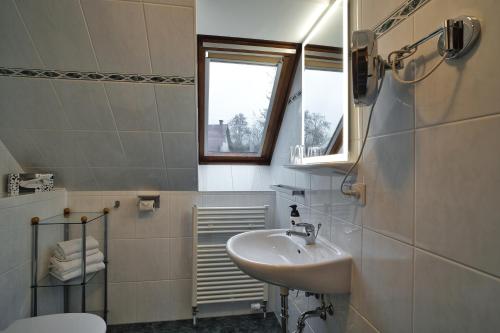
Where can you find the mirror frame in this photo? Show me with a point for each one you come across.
(344, 155)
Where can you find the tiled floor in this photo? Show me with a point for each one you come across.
(232, 324)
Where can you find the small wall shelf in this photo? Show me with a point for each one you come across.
(289, 190)
(326, 168)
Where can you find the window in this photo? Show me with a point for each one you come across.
(243, 87)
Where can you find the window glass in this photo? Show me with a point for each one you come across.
(239, 99)
(322, 108)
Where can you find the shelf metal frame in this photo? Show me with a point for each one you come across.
(66, 219)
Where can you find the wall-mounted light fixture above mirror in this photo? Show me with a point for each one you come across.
(325, 114)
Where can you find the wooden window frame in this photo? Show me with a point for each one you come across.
(288, 68)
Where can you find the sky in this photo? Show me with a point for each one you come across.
(323, 94)
(247, 85)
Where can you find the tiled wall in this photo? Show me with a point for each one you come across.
(151, 254)
(15, 253)
(426, 244)
(101, 135)
(232, 177)
(7, 165)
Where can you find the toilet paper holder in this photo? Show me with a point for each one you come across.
(155, 198)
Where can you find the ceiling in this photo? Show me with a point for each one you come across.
(278, 20)
(328, 31)
(106, 134)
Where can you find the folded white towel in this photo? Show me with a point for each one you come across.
(78, 272)
(76, 255)
(67, 248)
(67, 266)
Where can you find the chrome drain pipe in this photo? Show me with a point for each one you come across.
(284, 309)
(321, 311)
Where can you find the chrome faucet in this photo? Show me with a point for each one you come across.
(309, 235)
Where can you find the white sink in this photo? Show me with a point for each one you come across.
(274, 257)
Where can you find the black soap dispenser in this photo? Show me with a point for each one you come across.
(294, 216)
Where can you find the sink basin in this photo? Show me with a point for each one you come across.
(272, 256)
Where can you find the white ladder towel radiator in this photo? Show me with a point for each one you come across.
(215, 277)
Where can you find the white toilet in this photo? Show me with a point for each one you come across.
(59, 323)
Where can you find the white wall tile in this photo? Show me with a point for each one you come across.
(15, 39)
(152, 259)
(452, 298)
(176, 107)
(22, 147)
(171, 39)
(118, 34)
(357, 324)
(59, 148)
(6, 239)
(215, 178)
(456, 191)
(320, 193)
(7, 295)
(122, 303)
(101, 149)
(250, 178)
(122, 221)
(388, 171)
(180, 150)
(143, 149)
(181, 258)
(154, 301)
(28, 103)
(7, 165)
(133, 105)
(94, 299)
(348, 237)
(181, 299)
(123, 258)
(182, 179)
(59, 33)
(116, 178)
(85, 104)
(82, 202)
(386, 283)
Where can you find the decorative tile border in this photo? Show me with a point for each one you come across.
(406, 9)
(95, 76)
(294, 97)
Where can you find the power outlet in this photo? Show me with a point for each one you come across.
(360, 190)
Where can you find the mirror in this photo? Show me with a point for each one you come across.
(325, 87)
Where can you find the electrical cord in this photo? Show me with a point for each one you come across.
(379, 88)
(403, 54)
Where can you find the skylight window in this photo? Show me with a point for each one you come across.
(243, 87)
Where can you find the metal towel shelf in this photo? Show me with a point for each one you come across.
(215, 277)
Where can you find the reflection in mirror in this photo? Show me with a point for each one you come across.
(324, 85)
